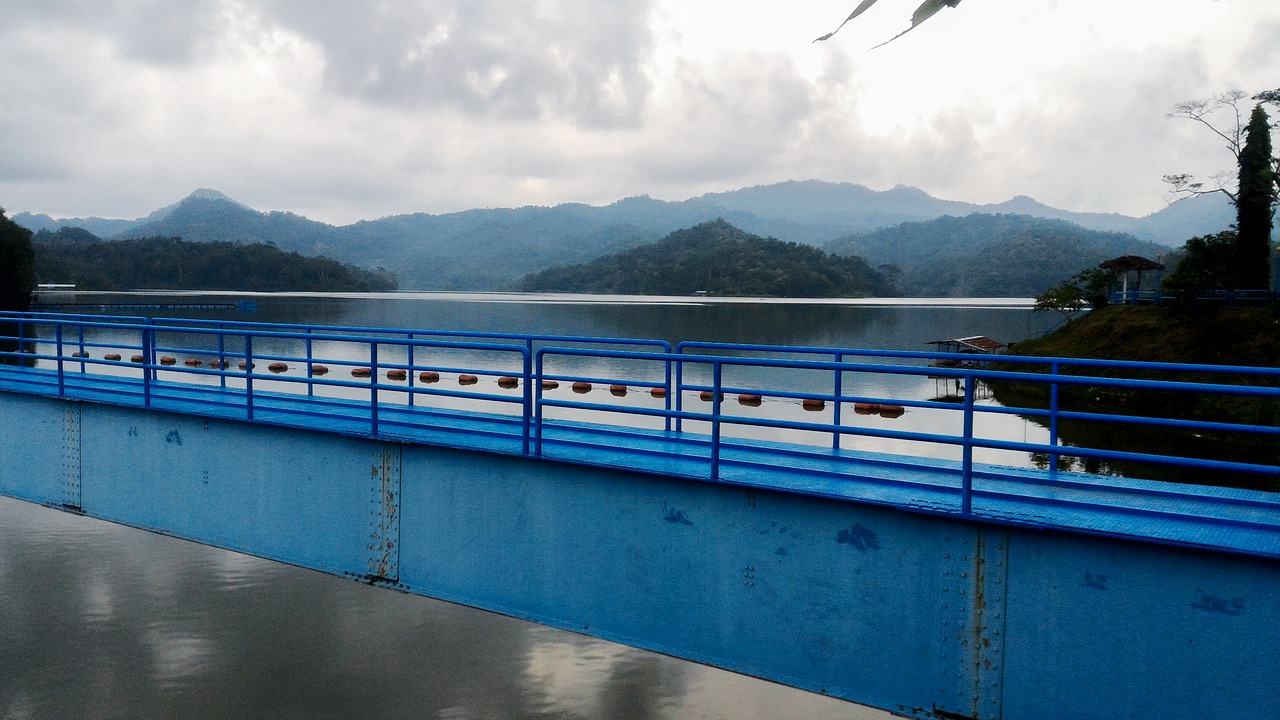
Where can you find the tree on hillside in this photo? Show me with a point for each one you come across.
(1209, 263)
(17, 280)
(1255, 204)
(17, 266)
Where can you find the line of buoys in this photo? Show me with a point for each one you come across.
(361, 372)
(618, 390)
(319, 370)
(168, 360)
(813, 404)
(581, 387)
(550, 384)
(750, 400)
(114, 357)
(468, 379)
(866, 408)
(429, 376)
(192, 362)
(137, 359)
(506, 381)
(277, 367)
(398, 374)
(658, 392)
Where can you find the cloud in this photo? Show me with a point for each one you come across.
(574, 59)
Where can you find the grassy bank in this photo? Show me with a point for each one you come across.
(1222, 336)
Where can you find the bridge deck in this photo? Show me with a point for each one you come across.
(1241, 521)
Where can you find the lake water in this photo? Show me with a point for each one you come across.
(98, 620)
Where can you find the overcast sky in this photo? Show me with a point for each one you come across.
(343, 110)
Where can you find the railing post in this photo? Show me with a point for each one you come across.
(148, 351)
(677, 391)
(311, 384)
(715, 421)
(537, 408)
(62, 381)
(666, 421)
(222, 357)
(836, 435)
(527, 412)
(410, 372)
(80, 345)
(966, 478)
(373, 389)
(248, 375)
(1054, 370)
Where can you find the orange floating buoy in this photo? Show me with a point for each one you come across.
(550, 384)
(218, 364)
(361, 372)
(506, 381)
(319, 370)
(892, 411)
(813, 404)
(468, 379)
(866, 408)
(658, 392)
(708, 396)
(618, 390)
(111, 356)
(192, 362)
(80, 354)
(750, 400)
(167, 360)
(243, 365)
(429, 376)
(397, 374)
(277, 367)
(137, 359)
(582, 387)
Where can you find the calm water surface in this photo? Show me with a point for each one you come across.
(98, 620)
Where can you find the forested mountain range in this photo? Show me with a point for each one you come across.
(717, 258)
(989, 255)
(492, 249)
(72, 255)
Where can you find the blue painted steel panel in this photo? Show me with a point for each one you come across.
(41, 459)
(281, 494)
(797, 589)
(1122, 629)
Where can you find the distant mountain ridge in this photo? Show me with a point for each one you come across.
(489, 249)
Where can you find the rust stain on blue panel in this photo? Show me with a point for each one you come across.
(1214, 604)
(678, 517)
(173, 437)
(1097, 582)
(859, 538)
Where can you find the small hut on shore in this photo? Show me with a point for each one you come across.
(1131, 264)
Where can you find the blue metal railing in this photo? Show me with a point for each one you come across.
(402, 381)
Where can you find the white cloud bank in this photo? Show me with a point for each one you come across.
(342, 111)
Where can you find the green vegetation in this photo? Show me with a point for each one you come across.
(1255, 205)
(17, 265)
(75, 256)
(1088, 288)
(17, 280)
(719, 259)
(1220, 336)
(989, 255)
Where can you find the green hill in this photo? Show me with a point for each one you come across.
(983, 255)
(72, 255)
(719, 259)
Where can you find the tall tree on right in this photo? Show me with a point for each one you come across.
(1255, 205)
